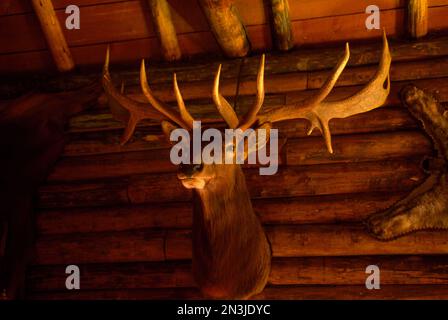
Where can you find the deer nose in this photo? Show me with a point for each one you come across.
(188, 170)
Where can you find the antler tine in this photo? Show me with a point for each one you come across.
(124, 108)
(158, 105)
(223, 106)
(251, 115)
(106, 62)
(326, 88)
(186, 116)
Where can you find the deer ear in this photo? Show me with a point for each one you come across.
(167, 128)
(263, 135)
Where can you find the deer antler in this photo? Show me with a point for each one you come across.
(137, 111)
(314, 109)
(319, 113)
(226, 110)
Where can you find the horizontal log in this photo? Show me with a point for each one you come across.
(114, 165)
(148, 294)
(103, 248)
(295, 81)
(93, 194)
(200, 70)
(435, 85)
(298, 210)
(402, 270)
(325, 240)
(399, 71)
(151, 138)
(392, 292)
(391, 175)
(91, 122)
(305, 151)
(361, 147)
(286, 241)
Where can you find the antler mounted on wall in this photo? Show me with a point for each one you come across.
(231, 253)
(427, 206)
(317, 111)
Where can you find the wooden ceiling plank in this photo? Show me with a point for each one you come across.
(54, 35)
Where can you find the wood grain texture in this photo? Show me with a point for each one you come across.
(305, 151)
(307, 240)
(227, 27)
(54, 35)
(284, 38)
(286, 241)
(291, 181)
(417, 18)
(161, 14)
(340, 208)
(395, 270)
(107, 247)
(136, 37)
(410, 292)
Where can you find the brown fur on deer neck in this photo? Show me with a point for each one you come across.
(220, 193)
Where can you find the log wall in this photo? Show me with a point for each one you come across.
(120, 214)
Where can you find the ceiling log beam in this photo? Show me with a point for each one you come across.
(53, 34)
(226, 26)
(165, 30)
(417, 20)
(284, 38)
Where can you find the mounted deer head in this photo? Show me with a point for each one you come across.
(231, 253)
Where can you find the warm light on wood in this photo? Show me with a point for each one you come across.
(54, 35)
(165, 29)
(282, 24)
(227, 27)
(417, 18)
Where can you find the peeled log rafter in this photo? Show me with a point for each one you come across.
(165, 29)
(282, 25)
(417, 18)
(54, 35)
(227, 26)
